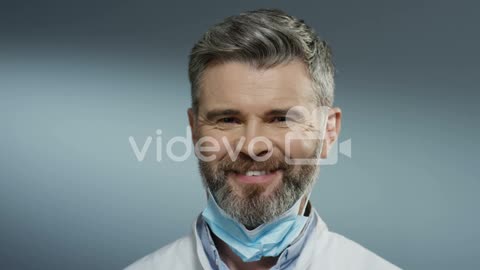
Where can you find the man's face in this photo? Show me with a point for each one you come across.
(244, 112)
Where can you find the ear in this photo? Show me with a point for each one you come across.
(332, 132)
(193, 124)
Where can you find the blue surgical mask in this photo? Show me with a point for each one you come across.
(269, 239)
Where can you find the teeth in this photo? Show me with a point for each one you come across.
(255, 173)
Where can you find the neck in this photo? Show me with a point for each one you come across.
(234, 262)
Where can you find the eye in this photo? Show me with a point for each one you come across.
(279, 119)
(228, 120)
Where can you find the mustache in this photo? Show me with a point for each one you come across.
(244, 163)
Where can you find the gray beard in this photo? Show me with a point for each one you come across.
(253, 209)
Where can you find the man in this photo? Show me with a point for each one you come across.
(261, 119)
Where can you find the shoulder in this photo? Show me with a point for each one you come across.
(343, 253)
(330, 250)
(179, 254)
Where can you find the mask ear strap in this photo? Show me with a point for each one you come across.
(307, 198)
(210, 195)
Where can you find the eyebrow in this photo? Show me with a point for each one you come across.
(217, 113)
(284, 112)
(277, 112)
(213, 114)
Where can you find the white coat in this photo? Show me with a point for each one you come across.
(323, 250)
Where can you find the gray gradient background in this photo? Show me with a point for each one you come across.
(77, 79)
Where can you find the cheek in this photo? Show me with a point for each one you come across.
(211, 146)
(300, 145)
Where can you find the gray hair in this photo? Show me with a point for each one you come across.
(264, 38)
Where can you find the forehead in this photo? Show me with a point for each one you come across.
(244, 87)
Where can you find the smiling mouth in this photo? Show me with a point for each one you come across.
(256, 177)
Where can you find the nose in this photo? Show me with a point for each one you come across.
(255, 144)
